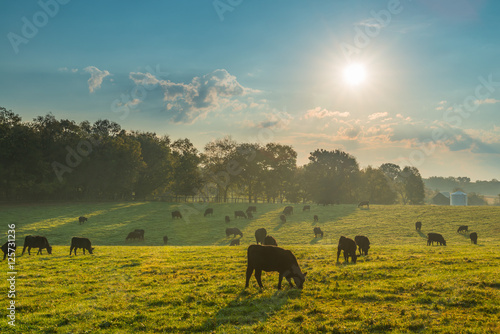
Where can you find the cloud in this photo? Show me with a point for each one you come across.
(486, 101)
(318, 112)
(96, 77)
(441, 105)
(377, 115)
(65, 69)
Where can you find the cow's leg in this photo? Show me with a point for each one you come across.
(24, 248)
(338, 254)
(70, 250)
(258, 274)
(83, 250)
(249, 274)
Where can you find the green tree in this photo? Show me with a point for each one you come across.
(376, 187)
(187, 179)
(413, 185)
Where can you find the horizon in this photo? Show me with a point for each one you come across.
(415, 83)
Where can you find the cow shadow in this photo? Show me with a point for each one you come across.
(250, 308)
(421, 234)
(314, 241)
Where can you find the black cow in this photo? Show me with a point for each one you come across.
(5, 249)
(227, 219)
(418, 226)
(251, 209)
(84, 243)
(235, 242)
(316, 218)
(272, 258)
(141, 233)
(349, 247)
(233, 230)
(82, 219)
(306, 208)
(288, 210)
(270, 241)
(463, 228)
(317, 231)
(239, 214)
(133, 235)
(363, 244)
(165, 240)
(36, 242)
(364, 203)
(176, 214)
(209, 211)
(438, 238)
(283, 218)
(249, 215)
(473, 238)
(260, 235)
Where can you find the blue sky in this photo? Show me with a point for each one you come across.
(270, 71)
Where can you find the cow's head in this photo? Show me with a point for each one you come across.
(297, 276)
(49, 249)
(91, 250)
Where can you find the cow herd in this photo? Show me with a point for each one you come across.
(439, 239)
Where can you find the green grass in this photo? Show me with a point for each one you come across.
(403, 286)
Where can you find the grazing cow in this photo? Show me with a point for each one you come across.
(233, 230)
(316, 218)
(5, 249)
(364, 203)
(82, 219)
(283, 218)
(260, 235)
(227, 220)
(438, 238)
(272, 258)
(36, 242)
(209, 211)
(235, 242)
(463, 228)
(239, 214)
(363, 244)
(251, 209)
(349, 247)
(249, 215)
(317, 231)
(133, 235)
(288, 210)
(141, 233)
(473, 238)
(165, 240)
(176, 214)
(270, 241)
(306, 208)
(84, 243)
(418, 226)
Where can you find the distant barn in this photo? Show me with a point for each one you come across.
(458, 198)
(441, 198)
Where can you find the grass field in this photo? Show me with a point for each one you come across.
(142, 286)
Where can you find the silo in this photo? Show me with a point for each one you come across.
(458, 198)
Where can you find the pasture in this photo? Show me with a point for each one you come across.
(142, 286)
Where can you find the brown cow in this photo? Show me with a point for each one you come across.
(473, 238)
(208, 211)
(306, 208)
(176, 214)
(315, 218)
(260, 235)
(349, 247)
(36, 242)
(364, 203)
(227, 219)
(418, 226)
(270, 241)
(235, 242)
(317, 231)
(83, 243)
(82, 219)
(239, 214)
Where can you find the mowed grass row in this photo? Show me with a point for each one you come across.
(412, 288)
(109, 223)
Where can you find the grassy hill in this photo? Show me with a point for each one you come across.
(402, 286)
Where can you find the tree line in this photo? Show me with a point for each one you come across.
(51, 159)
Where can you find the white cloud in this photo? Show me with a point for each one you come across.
(96, 77)
(487, 101)
(318, 112)
(377, 115)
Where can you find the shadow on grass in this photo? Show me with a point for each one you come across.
(314, 241)
(249, 308)
(423, 235)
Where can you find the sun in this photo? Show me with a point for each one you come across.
(355, 74)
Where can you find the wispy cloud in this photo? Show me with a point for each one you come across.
(377, 115)
(487, 101)
(65, 69)
(319, 112)
(96, 77)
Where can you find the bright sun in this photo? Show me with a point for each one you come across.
(354, 74)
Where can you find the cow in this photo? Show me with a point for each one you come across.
(260, 235)
(463, 228)
(82, 219)
(233, 230)
(227, 220)
(272, 258)
(141, 233)
(239, 214)
(165, 240)
(473, 238)
(235, 242)
(283, 218)
(315, 218)
(133, 235)
(288, 210)
(364, 203)
(209, 211)
(306, 208)
(349, 247)
(251, 209)
(36, 242)
(438, 238)
(363, 244)
(270, 241)
(418, 226)
(249, 215)
(5, 249)
(176, 214)
(84, 243)
(317, 231)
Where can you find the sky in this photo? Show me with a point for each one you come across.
(426, 92)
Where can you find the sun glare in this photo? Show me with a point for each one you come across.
(354, 74)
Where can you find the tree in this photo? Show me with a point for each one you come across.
(376, 187)
(248, 157)
(187, 177)
(413, 185)
(278, 165)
